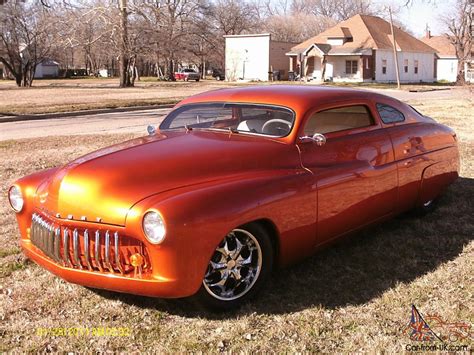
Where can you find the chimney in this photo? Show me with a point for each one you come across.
(427, 32)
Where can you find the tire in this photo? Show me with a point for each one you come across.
(197, 80)
(222, 288)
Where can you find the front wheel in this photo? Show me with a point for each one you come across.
(240, 265)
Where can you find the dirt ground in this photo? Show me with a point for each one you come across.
(355, 296)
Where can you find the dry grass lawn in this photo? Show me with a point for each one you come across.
(48, 96)
(66, 95)
(354, 296)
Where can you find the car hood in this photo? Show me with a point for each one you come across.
(105, 184)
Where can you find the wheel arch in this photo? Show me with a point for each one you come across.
(272, 230)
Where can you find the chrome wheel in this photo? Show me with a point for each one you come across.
(234, 267)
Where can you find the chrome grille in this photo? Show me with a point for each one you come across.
(85, 249)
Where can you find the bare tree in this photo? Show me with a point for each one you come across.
(233, 17)
(296, 27)
(87, 31)
(336, 9)
(460, 31)
(25, 39)
(167, 25)
(127, 61)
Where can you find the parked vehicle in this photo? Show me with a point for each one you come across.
(234, 183)
(218, 74)
(187, 74)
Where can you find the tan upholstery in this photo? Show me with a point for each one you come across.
(330, 121)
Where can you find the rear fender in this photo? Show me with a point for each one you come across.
(437, 177)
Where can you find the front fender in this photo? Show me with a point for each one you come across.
(29, 185)
(198, 217)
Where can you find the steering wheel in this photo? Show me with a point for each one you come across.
(276, 124)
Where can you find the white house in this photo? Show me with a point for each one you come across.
(447, 62)
(361, 49)
(255, 57)
(47, 69)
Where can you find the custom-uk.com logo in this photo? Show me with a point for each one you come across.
(433, 333)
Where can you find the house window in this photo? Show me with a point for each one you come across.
(351, 66)
(367, 63)
(384, 66)
(415, 69)
(406, 65)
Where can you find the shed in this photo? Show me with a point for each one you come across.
(255, 57)
(47, 69)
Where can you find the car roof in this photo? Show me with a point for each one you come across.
(298, 97)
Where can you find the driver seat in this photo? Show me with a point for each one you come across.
(254, 125)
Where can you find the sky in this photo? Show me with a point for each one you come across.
(422, 12)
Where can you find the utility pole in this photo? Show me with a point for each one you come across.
(123, 59)
(394, 44)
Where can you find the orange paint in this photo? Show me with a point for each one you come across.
(207, 183)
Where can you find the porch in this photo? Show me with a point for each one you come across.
(326, 63)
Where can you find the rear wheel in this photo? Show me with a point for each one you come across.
(240, 265)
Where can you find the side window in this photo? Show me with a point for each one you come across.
(338, 119)
(389, 114)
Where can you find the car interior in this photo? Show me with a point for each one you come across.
(338, 119)
(271, 121)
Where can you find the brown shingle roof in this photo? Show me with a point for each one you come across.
(441, 44)
(368, 32)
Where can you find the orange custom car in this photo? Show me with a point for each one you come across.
(233, 184)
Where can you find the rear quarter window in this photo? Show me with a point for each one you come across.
(390, 114)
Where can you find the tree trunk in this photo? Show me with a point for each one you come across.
(461, 76)
(171, 70)
(124, 57)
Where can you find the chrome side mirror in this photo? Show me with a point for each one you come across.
(317, 138)
(151, 130)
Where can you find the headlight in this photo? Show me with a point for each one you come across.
(16, 198)
(154, 227)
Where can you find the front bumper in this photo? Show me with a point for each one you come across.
(149, 285)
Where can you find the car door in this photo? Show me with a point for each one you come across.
(354, 170)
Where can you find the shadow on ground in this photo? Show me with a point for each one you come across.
(355, 271)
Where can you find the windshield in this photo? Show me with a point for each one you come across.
(256, 119)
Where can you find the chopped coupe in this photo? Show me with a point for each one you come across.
(235, 183)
